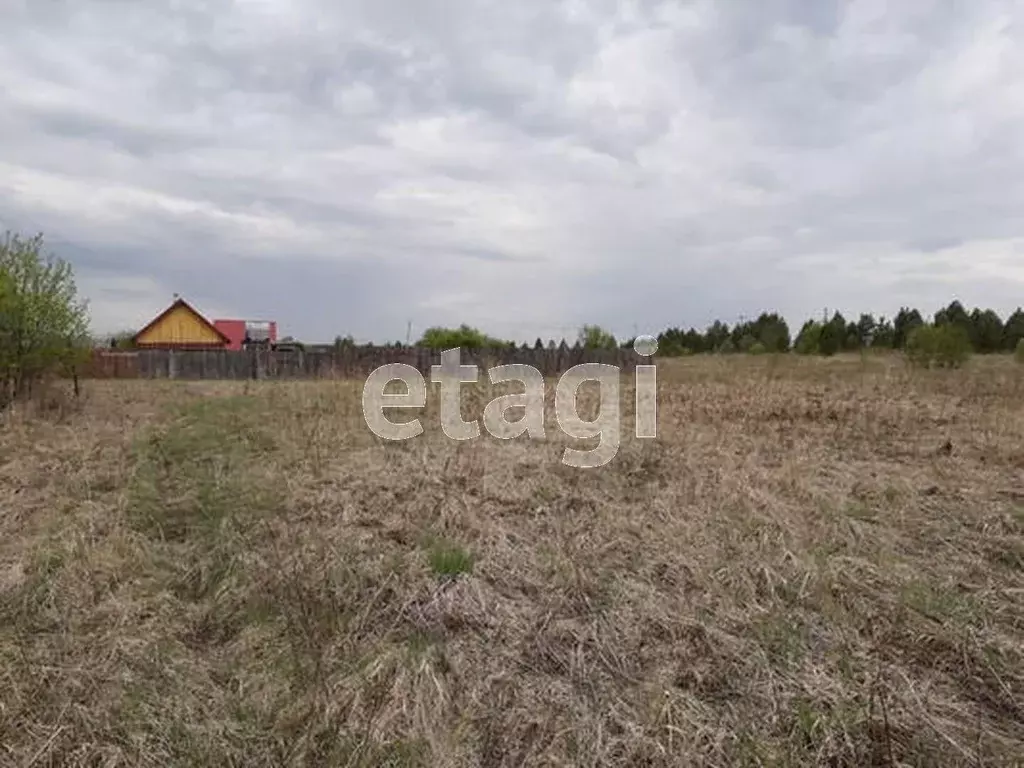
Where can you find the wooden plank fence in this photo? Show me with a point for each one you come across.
(329, 363)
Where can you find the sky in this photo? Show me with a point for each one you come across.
(365, 167)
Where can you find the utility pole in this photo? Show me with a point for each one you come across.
(408, 333)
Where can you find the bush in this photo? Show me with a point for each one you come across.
(1018, 353)
(464, 336)
(745, 342)
(596, 337)
(808, 340)
(757, 348)
(942, 346)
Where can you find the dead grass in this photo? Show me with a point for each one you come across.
(816, 563)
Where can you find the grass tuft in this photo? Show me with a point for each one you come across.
(447, 559)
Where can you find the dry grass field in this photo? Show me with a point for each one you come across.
(816, 563)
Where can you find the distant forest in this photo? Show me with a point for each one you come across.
(984, 328)
(986, 331)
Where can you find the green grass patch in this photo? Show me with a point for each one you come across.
(448, 559)
(941, 603)
(202, 471)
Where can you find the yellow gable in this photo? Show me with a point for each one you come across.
(180, 326)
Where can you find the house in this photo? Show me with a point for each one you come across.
(256, 331)
(180, 326)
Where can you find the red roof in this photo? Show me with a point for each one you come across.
(234, 330)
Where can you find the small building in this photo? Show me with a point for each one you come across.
(255, 331)
(180, 326)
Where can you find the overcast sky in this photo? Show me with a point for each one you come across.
(348, 166)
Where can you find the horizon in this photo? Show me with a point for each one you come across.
(793, 327)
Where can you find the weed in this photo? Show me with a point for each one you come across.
(447, 559)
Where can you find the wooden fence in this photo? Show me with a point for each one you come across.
(329, 363)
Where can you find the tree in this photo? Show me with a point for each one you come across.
(884, 334)
(672, 343)
(986, 331)
(675, 341)
(954, 314)
(906, 321)
(596, 337)
(716, 336)
(464, 336)
(833, 335)
(344, 342)
(866, 329)
(694, 341)
(742, 335)
(1013, 331)
(808, 341)
(772, 331)
(851, 337)
(44, 328)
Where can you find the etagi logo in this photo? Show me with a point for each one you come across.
(451, 374)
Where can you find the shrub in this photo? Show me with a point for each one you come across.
(942, 346)
(596, 337)
(1018, 353)
(808, 340)
(464, 336)
(746, 342)
(757, 348)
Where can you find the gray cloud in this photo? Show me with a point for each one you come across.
(526, 167)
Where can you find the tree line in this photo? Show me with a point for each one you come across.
(984, 330)
(981, 330)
